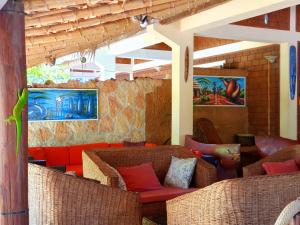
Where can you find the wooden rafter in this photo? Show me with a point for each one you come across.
(58, 27)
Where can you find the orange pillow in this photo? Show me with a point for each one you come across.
(37, 153)
(288, 166)
(57, 156)
(140, 178)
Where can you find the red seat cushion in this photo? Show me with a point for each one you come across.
(77, 168)
(140, 178)
(57, 156)
(37, 153)
(164, 194)
(288, 166)
(75, 154)
(150, 145)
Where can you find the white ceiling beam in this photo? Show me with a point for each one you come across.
(2, 3)
(148, 54)
(236, 32)
(232, 11)
(133, 43)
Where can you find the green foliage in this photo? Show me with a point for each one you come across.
(42, 73)
(242, 93)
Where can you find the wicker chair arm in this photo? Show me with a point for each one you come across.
(253, 200)
(56, 198)
(96, 169)
(205, 174)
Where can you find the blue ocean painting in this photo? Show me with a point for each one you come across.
(62, 104)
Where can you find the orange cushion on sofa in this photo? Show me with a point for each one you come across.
(116, 145)
(57, 156)
(76, 168)
(75, 154)
(150, 145)
(37, 153)
(288, 166)
(95, 145)
(164, 194)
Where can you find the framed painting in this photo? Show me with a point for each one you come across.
(219, 90)
(62, 104)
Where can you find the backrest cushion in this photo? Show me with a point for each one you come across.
(116, 145)
(75, 154)
(37, 153)
(288, 166)
(140, 178)
(57, 156)
(160, 157)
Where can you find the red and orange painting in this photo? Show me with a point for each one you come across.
(219, 91)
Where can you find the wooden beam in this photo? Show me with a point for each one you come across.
(13, 167)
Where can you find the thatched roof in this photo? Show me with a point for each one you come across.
(56, 28)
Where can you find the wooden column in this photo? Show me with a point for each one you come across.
(13, 168)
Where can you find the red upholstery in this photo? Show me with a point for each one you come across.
(57, 156)
(150, 145)
(75, 153)
(288, 166)
(140, 178)
(69, 156)
(164, 194)
(268, 145)
(37, 153)
(77, 168)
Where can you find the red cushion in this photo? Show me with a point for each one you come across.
(140, 178)
(57, 156)
(77, 168)
(75, 154)
(150, 145)
(164, 194)
(37, 153)
(116, 145)
(95, 145)
(288, 166)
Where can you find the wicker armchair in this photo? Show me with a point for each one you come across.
(96, 165)
(56, 198)
(292, 152)
(245, 201)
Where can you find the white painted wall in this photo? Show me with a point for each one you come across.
(2, 3)
(182, 92)
(288, 107)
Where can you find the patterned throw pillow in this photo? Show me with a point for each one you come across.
(180, 172)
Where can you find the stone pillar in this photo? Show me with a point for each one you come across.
(288, 107)
(13, 167)
(182, 92)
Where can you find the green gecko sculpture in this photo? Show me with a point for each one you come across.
(17, 116)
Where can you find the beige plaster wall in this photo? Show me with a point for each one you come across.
(122, 107)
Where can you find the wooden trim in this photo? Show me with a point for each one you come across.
(13, 167)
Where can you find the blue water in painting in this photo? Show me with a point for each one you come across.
(62, 104)
(218, 81)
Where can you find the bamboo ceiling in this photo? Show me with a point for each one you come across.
(56, 28)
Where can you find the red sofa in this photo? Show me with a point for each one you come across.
(69, 156)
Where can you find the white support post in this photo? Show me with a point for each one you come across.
(288, 107)
(182, 92)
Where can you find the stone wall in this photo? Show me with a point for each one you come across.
(122, 107)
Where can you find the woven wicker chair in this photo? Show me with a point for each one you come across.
(245, 201)
(95, 166)
(292, 152)
(56, 198)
